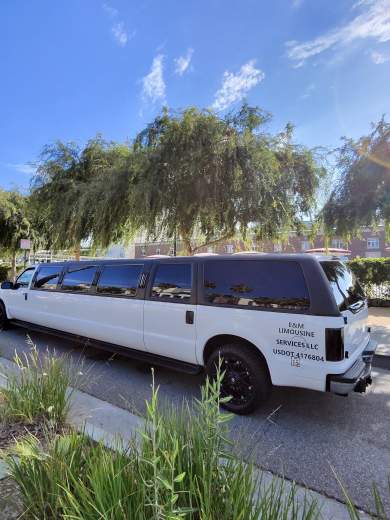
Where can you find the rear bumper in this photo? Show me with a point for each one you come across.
(357, 377)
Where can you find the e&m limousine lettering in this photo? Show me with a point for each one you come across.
(296, 332)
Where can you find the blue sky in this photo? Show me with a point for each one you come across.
(73, 68)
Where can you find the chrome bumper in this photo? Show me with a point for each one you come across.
(357, 377)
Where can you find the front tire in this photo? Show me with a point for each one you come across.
(246, 380)
(4, 323)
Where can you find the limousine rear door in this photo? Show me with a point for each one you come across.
(103, 303)
(169, 311)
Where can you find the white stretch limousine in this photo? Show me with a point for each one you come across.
(287, 320)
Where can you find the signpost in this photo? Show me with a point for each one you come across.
(25, 244)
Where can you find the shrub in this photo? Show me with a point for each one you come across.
(179, 467)
(374, 275)
(38, 390)
(374, 271)
(4, 270)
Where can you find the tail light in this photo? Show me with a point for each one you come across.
(334, 344)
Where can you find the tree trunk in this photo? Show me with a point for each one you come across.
(187, 245)
(77, 252)
(13, 269)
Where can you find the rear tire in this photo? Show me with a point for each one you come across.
(246, 378)
(4, 323)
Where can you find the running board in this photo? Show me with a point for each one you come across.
(140, 355)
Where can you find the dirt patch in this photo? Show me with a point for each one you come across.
(10, 432)
(11, 503)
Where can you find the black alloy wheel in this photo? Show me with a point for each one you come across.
(246, 378)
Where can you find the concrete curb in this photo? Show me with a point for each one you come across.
(111, 425)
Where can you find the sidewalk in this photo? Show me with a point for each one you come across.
(379, 320)
(105, 422)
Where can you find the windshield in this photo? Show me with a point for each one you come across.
(346, 288)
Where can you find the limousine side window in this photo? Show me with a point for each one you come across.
(24, 279)
(119, 280)
(47, 277)
(80, 279)
(273, 284)
(172, 282)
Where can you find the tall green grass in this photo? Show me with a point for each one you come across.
(178, 467)
(38, 390)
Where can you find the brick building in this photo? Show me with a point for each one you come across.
(369, 243)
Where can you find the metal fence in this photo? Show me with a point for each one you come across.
(378, 294)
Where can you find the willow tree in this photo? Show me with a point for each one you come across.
(65, 192)
(14, 223)
(210, 176)
(361, 196)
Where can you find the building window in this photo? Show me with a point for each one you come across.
(230, 248)
(277, 248)
(305, 244)
(143, 251)
(372, 243)
(210, 250)
(171, 251)
(337, 243)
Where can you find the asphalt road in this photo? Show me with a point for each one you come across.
(299, 434)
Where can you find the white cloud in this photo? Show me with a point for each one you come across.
(379, 58)
(308, 91)
(111, 11)
(236, 86)
(372, 22)
(121, 36)
(153, 84)
(296, 3)
(24, 168)
(183, 62)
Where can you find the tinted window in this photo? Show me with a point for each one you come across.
(274, 284)
(47, 277)
(346, 289)
(119, 280)
(172, 282)
(79, 279)
(24, 279)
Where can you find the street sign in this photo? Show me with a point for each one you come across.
(25, 243)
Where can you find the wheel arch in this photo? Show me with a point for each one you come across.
(220, 339)
(4, 306)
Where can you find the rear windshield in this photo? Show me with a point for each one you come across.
(346, 289)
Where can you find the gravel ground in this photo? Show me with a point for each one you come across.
(299, 434)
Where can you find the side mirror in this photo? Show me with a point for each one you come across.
(7, 285)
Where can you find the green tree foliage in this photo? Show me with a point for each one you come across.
(14, 223)
(369, 271)
(362, 193)
(188, 174)
(215, 177)
(70, 191)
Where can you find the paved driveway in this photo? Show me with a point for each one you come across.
(379, 319)
(300, 434)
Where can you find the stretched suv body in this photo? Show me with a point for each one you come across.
(287, 320)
